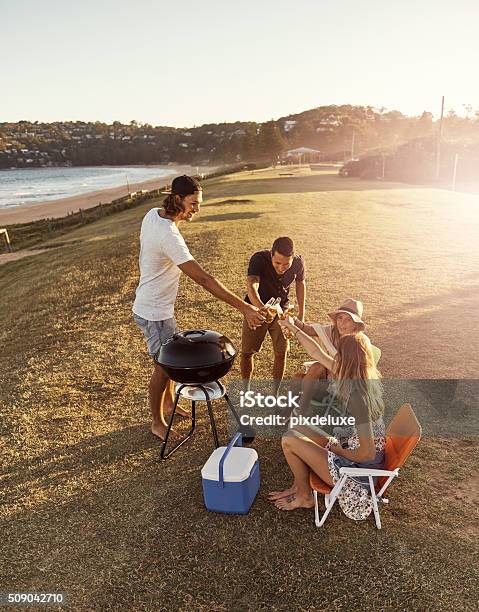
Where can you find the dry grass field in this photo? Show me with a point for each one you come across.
(88, 508)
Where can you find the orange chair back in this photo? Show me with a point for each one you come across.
(402, 435)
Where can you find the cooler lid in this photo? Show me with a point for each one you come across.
(237, 466)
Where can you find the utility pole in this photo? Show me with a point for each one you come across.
(456, 159)
(438, 143)
(127, 184)
(352, 145)
(384, 167)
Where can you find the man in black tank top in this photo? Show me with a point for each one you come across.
(270, 275)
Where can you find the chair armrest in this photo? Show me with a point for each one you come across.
(351, 471)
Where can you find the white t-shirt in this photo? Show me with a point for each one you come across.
(162, 250)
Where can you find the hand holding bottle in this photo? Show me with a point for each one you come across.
(286, 316)
(270, 309)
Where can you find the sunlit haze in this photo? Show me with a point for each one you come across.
(189, 63)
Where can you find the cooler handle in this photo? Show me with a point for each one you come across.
(236, 438)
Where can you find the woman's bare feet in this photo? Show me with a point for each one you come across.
(292, 503)
(275, 495)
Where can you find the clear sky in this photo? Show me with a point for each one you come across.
(191, 62)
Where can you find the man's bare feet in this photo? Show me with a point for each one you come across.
(292, 503)
(275, 495)
(181, 412)
(159, 430)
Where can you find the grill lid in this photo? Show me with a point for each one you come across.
(195, 348)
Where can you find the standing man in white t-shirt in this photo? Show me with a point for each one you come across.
(163, 256)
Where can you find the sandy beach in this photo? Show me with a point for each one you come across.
(63, 206)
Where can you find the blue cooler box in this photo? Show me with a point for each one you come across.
(231, 478)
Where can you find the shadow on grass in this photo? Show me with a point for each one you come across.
(232, 201)
(235, 216)
(58, 465)
(52, 467)
(144, 537)
(427, 332)
(305, 184)
(464, 298)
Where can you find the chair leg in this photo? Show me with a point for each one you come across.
(332, 498)
(375, 503)
(316, 508)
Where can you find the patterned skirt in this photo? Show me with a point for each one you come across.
(355, 500)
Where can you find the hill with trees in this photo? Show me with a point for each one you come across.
(338, 132)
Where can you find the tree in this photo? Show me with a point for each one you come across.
(271, 143)
(250, 144)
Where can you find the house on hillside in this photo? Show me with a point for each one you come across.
(303, 155)
(289, 125)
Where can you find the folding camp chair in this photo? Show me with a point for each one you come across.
(402, 435)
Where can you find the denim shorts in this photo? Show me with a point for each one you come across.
(156, 332)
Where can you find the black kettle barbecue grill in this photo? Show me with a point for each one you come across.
(195, 358)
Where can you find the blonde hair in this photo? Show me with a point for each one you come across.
(355, 369)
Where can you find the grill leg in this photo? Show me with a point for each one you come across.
(212, 419)
(164, 454)
(247, 431)
(232, 408)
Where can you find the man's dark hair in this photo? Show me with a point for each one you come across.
(283, 246)
(185, 185)
(180, 188)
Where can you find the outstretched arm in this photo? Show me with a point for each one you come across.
(310, 345)
(193, 269)
(252, 283)
(305, 327)
(301, 297)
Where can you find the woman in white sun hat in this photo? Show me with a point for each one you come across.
(346, 319)
(318, 391)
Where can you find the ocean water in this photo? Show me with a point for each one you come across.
(21, 187)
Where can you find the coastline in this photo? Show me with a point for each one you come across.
(63, 206)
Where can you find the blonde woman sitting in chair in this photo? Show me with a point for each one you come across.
(359, 391)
